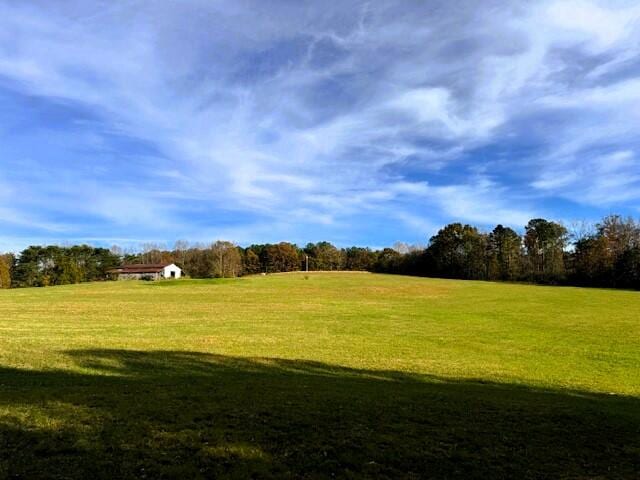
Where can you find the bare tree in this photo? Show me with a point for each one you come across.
(117, 251)
(226, 260)
(580, 230)
(401, 247)
(181, 247)
(151, 252)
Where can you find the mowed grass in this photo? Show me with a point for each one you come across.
(347, 375)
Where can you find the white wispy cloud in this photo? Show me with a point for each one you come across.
(331, 116)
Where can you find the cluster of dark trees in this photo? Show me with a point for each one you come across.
(606, 255)
(53, 265)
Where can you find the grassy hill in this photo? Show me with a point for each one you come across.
(323, 375)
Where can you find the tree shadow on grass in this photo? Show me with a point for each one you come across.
(166, 414)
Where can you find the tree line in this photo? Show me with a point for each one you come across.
(38, 266)
(605, 255)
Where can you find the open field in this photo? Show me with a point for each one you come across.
(336, 375)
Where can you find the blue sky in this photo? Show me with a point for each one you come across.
(355, 122)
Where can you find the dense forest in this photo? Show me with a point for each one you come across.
(605, 255)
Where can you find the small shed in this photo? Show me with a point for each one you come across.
(147, 271)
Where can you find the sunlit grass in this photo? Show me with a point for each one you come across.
(545, 336)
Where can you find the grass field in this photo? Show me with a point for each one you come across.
(319, 376)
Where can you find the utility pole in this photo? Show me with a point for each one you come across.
(306, 262)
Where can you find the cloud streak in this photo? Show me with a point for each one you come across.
(364, 122)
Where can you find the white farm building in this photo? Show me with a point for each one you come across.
(147, 271)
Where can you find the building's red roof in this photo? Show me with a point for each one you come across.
(141, 268)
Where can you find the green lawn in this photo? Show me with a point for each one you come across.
(346, 375)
